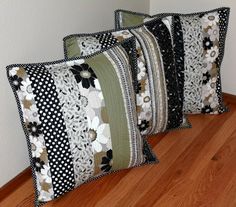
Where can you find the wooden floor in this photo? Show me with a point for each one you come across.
(197, 169)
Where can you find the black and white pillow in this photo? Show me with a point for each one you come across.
(79, 119)
(159, 80)
(200, 39)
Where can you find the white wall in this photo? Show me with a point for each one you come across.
(228, 66)
(32, 31)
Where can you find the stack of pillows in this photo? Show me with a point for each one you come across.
(89, 114)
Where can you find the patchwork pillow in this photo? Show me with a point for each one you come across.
(203, 35)
(79, 119)
(159, 94)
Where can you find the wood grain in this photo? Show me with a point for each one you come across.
(9, 187)
(197, 169)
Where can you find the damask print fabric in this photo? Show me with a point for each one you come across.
(78, 120)
(159, 100)
(203, 37)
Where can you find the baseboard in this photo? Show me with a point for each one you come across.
(9, 187)
(17, 181)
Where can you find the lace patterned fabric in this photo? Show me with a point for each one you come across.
(192, 36)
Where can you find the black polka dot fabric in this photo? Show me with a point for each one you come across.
(162, 34)
(53, 128)
(106, 40)
(223, 23)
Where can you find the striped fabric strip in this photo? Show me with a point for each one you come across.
(156, 77)
(120, 63)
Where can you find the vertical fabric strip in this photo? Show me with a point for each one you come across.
(179, 55)
(73, 108)
(35, 138)
(161, 33)
(121, 64)
(223, 24)
(192, 35)
(155, 65)
(150, 85)
(115, 108)
(53, 128)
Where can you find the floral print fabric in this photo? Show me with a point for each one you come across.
(98, 129)
(210, 27)
(40, 160)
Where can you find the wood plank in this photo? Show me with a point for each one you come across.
(180, 169)
(214, 179)
(207, 186)
(129, 192)
(227, 197)
(13, 184)
(23, 196)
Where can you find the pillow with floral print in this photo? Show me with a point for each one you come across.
(159, 95)
(79, 119)
(203, 38)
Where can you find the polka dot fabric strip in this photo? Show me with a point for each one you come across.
(53, 128)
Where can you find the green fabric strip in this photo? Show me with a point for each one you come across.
(113, 97)
(72, 48)
(131, 20)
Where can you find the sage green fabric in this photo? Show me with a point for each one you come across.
(113, 97)
(72, 48)
(131, 20)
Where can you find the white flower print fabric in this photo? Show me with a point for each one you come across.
(99, 131)
(211, 31)
(36, 138)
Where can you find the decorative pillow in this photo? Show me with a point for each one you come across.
(159, 94)
(79, 119)
(203, 35)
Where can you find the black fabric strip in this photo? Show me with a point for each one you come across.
(130, 48)
(162, 34)
(179, 56)
(223, 25)
(53, 129)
